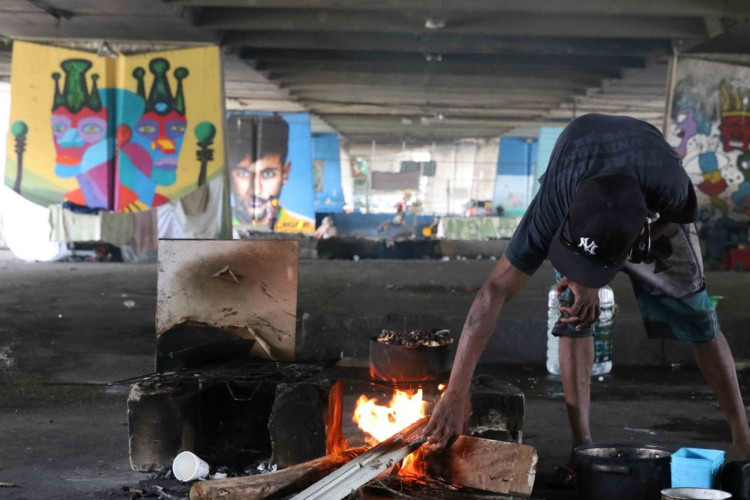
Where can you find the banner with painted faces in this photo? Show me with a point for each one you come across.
(270, 165)
(124, 134)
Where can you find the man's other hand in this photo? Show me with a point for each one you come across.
(447, 421)
(585, 309)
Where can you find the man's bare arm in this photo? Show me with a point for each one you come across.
(448, 418)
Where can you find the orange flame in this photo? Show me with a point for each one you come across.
(380, 422)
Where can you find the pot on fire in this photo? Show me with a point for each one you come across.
(410, 357)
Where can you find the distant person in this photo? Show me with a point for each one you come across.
(258, 148)
(398, 219)
(326, 229)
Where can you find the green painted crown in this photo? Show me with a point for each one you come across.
(160, 98)
(74, 95)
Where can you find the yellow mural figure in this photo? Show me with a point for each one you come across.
(124, 134)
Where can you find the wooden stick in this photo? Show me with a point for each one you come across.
(367, 466)
(287, 480)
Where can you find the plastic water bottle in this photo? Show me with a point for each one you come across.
(603, 330)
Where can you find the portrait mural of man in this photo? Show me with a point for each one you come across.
(265, 182)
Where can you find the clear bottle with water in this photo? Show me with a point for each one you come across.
(603, 330)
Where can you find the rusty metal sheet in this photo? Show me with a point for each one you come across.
(248, 286)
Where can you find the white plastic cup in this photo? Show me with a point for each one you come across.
(188, 466)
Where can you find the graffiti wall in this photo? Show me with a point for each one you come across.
(329, 196)
(271, 171)
(710, 129)
(477, 228)
(125, 134)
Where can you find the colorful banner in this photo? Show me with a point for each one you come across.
(710, 129)
(125, 134)
(270, 162)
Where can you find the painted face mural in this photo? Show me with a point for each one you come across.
(735, 119)
(259, 168)
(161, 128)
(79, 129)
(257, 186)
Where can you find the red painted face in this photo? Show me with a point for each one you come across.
(74, 133)
(735, 133)
(162, 133)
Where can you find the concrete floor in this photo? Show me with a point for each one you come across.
(65, 332)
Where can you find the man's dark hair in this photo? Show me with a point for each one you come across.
(256, 137)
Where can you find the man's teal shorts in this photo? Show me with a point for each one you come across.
(671, 291)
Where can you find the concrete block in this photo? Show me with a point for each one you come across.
(305, 421)
(161, 423)
(497, 409)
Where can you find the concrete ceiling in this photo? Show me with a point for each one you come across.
(417, 70)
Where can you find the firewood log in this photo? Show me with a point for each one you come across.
(283, 482)
(484, 464)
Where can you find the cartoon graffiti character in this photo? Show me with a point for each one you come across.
(161, 129)
(743, 165)
(735, 119)
(79, 130)
(149, 137)
(688, 124)
(713, 183)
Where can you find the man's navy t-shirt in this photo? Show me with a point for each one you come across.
(594, 145)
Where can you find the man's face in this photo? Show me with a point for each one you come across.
(256, 185)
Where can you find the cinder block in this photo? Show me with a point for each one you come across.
(497, 409)
(302, 417)
(161, 423)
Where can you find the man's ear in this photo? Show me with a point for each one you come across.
(285, 170)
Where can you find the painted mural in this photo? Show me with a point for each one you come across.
(478, 228)
(710, 130)
(125, 134)
(271, 171)
(329, 195)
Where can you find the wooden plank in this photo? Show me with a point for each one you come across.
(484, 464)
(290, 479)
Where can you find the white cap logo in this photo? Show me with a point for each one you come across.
(589, 248)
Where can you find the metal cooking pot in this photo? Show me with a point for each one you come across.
(735, 479)
(693, 494)
(395, 363)
(622, 471)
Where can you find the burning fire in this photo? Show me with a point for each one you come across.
(380, 422)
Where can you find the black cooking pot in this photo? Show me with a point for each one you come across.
(622, 471)
(396, 363)
(735, 478)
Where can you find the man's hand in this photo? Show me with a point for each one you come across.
(447, 421)
(585, 309)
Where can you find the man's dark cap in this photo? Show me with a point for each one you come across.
(604, 219)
